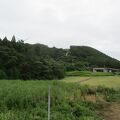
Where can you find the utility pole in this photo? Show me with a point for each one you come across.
(49, 103)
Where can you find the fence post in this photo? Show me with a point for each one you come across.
(49, 103)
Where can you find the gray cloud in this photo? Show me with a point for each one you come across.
(63, 23)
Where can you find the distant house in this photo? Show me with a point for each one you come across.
(105, 70)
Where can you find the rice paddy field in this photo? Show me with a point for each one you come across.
(73, 98)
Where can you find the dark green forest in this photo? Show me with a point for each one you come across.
(19, 60)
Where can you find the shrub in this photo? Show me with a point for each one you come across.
(3, 75)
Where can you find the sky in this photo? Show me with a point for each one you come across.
(62, 23)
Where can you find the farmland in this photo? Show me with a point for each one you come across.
(110, 81)
(76, 92)
(107, 81)
(27, 100)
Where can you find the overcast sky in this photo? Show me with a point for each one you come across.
(62, 23)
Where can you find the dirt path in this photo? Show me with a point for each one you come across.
(111, 112)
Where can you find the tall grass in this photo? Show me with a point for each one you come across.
(27, 100)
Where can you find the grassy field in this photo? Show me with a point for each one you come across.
(88, 73)
(27, 100)
(107, 81)
(74, 79)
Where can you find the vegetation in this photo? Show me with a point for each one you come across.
(19, 60)
(24, 61)
(106, 81)
(92, 57)
(27, 100)
(71, 98)
(88, 73)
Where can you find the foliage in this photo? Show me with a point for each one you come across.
(88, 73)
(93, 57)
(3, 75)
(19, 60)
(27, 100)
(24, 61)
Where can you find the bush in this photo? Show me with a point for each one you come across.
(3, 75)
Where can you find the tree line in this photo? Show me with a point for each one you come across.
(19, 60)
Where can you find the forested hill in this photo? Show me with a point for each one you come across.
(19, 60)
